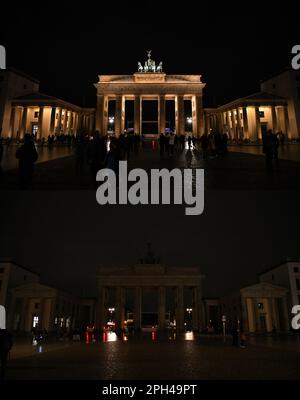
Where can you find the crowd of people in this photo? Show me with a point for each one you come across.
(95, 151)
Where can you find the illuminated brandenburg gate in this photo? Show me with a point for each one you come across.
(149, 83)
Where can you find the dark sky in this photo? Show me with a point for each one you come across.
(67, 44)
(66, 235)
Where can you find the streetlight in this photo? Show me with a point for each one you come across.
(111, 310)
(189, 120)
(111, 121)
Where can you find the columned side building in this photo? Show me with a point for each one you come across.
(276, 107)
(149, 83)
(257, 308)
(44, 115)
(23, 109)
(250, 117)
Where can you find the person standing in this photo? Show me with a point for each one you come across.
(27, 156)
(171, 143)
(5, 347)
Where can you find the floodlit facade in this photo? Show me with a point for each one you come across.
(276, 107)
(149, 83)
(23, 109)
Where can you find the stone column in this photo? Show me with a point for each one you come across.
(239, 124)
(65, 121)
(269, 319)
(24, 122)
(244, 317)
(286, 321)
(71, 122)
(161, 114)
(180, 310)
(58, 125)
(199, 117)
(258, 125)
(123, 114)
(105, 117)
(138, 308)
(118, 116)
(233, 123)
(179, 115)
(137, 114)
(120, 304)
(161, 308)
(100, 309)
(251, 315)
(12, 122)
(274, 119)
(40, 123)
(275, 316)
(228, 119)
(52, 121)
(196, 309)
(245, 123)
(24, 313)
(100, 113)
(287, 123)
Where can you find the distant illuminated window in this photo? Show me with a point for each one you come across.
(260, 306)
(35, 321)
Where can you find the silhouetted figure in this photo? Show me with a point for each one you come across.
(270, 149)
(27, 156)
(96, 154)
(5, 347)
(235, 336)
(171, 143)
(281, 137)
(189, 142)
(167, 144)
(80, 154)
(113, 156)
(204, 145)
(275, 142)
(162, 144)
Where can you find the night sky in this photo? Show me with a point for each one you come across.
(66, 235)
(66, 44)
